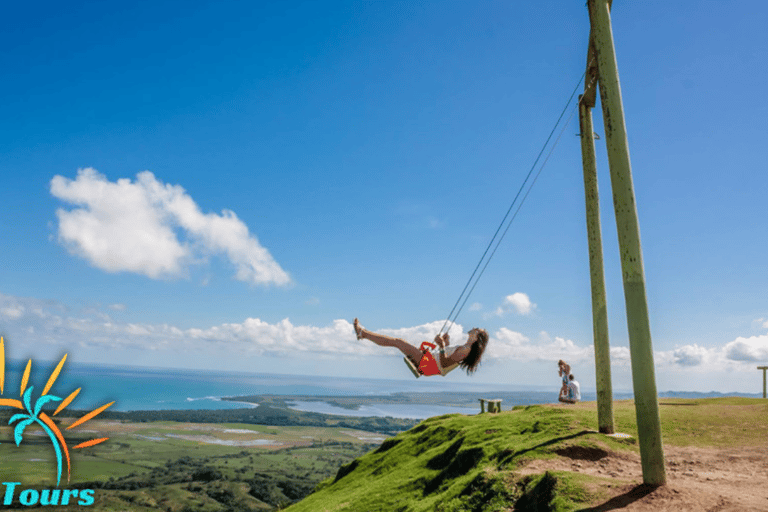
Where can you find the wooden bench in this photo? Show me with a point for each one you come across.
(494, 405)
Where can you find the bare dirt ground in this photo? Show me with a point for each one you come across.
(698, 479)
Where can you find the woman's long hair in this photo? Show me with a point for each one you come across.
(471, 362)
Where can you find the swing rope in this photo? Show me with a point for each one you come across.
(453, 317)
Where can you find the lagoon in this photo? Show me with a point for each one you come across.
(154, 389)
(412, 411)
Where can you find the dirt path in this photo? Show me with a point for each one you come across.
(698, 479)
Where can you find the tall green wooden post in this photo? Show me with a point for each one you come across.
(597, 274)
(764, 368)
(640, 346)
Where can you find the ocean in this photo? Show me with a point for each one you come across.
(137, 388)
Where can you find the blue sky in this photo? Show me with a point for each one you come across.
(226, 185)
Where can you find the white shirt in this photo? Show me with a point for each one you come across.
(448, 353)
(574, 390)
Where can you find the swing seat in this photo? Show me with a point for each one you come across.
(427, 365)
(414, 369)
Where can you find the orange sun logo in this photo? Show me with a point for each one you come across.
(34, 413)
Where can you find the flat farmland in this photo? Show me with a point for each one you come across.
(258, 467)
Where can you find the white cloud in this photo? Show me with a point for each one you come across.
(690, 355)
(90, 327)
(136, 330)
(47, 323)
(752, 349)
(117, 227)
(476, 306)
(620, 356)
(511, 338)
(118, 307)
(507, 344)
(129, 226)
(415, 335)
(12, 312)
(738, 355)
(518, 302)
(255, 337)
(687, 357)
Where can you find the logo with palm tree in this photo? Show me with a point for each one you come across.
(35, 415)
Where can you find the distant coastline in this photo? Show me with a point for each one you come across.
(162, 389)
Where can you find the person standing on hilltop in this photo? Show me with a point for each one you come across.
(563, 370)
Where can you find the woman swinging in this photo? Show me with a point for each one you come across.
(467, 356)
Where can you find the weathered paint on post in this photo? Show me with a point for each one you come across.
(764, 368)
(597, 274)
(640, 346)
(590, 78)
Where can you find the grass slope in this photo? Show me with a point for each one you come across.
(467, 463)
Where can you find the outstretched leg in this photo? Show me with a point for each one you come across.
(413, 353)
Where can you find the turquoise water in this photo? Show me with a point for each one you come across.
(135, 388)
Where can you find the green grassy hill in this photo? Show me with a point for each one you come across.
(469, 463)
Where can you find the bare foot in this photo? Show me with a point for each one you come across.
(358, 329)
